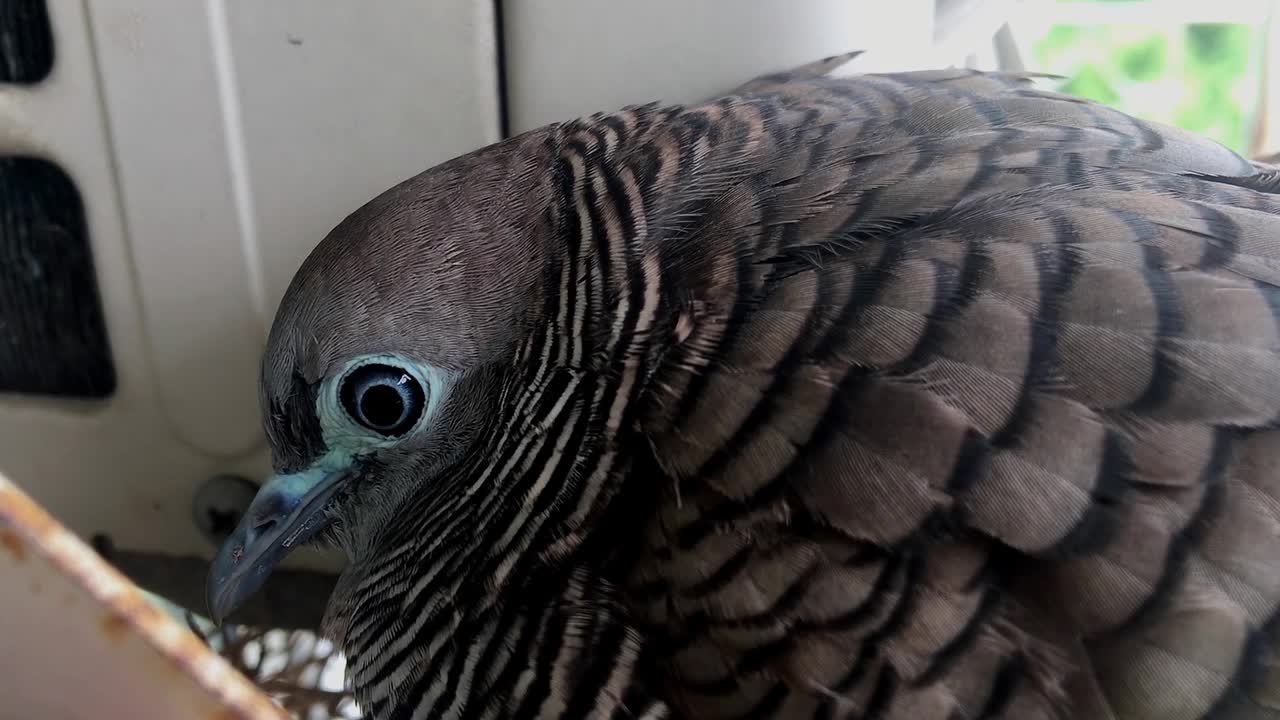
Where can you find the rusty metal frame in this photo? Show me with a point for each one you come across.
(79, 640)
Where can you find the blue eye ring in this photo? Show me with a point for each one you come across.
(383, 398)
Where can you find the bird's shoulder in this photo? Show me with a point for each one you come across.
(973, 410)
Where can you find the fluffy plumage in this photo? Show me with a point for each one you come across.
(920, 395)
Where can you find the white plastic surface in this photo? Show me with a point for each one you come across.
(244, 133)
(567, 58)
(214, 143)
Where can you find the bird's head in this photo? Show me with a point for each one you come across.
(388, 359)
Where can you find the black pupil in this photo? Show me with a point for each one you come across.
(382, 406)
(383, 398)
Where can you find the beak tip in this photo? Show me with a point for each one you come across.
(213, 607)
(216, 610)
(224, 585)
(233, 577)
(286, 512)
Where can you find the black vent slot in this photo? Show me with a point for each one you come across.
(26, 41)
(53, 337)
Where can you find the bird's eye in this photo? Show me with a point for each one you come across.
(383, 398)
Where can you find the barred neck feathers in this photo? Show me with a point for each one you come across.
(493, 584)
(560, 648)
(493, 608)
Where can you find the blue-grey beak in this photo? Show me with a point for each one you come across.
(287, 512)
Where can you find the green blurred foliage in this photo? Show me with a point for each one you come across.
(1143, 61)
(1201, 77)
(1091, 83)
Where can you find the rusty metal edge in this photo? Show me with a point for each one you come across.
(28, 527)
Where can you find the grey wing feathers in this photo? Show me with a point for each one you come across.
(972, 413)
